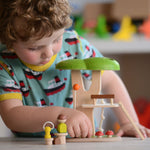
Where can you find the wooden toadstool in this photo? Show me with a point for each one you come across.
(109, 133)
(99, 134)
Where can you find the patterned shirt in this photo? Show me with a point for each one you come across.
(44, 85)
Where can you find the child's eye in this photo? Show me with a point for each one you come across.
(32, 49)
(57, 40)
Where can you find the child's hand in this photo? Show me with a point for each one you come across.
(78, 124)
(129, 130)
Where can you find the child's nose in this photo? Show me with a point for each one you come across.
(47, 52)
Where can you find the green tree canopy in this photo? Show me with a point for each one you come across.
(93, 63)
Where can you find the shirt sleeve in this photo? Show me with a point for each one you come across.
(9, 89)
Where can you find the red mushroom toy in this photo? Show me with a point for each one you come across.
(99, 134)
(109, 133)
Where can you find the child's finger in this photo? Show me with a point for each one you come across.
(77, 131)
(148, 132)
(89, 126)
(143, 132)
(84, 130)
(90, 132)
(71, 131)
(120, 133)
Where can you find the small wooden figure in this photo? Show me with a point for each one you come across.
(62, 127)
(47, 129)
(62, 130)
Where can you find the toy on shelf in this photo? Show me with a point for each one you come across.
(47, 129)
(145, 28)
(101, 27)
(85, 101)
(89, 26)
(115, 27)
(126, 30)
(78, 25)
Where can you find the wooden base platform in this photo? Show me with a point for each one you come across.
(95, 139)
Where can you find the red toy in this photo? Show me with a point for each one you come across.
(142, 108)
(145, 28)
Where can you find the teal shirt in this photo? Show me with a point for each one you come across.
(44, 85)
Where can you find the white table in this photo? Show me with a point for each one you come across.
(39, 144)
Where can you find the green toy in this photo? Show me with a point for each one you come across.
(79, 26)
(101, 28)
(94, 63)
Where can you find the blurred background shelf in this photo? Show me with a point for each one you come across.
(137, 45)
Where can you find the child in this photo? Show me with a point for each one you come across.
(34, 33)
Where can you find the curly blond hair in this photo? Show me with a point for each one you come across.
(32, 19)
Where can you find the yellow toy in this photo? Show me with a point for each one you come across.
(126, 30)
(62, 127)
(62, 130)
(47, 130)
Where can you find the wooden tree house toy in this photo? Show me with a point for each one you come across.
(86, 101)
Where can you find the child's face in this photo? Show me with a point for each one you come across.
(39, 52)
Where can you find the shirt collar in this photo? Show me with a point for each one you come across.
(43, 67)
